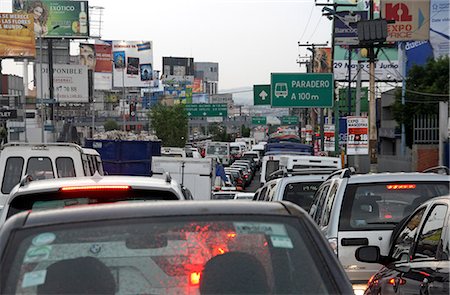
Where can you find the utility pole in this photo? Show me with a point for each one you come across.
(312, 47)
(372, 103)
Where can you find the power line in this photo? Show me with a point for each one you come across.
(315, 29)
(307, 24)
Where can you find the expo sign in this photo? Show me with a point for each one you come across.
(408, 19)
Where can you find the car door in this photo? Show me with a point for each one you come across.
(423, 276)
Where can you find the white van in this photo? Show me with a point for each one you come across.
(45, 161)
(219, 150)
(173, 152)
(250, 142)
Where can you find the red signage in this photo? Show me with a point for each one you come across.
(104, 62)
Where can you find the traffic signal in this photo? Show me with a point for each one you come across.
(372, 31)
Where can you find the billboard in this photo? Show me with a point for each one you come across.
(70, 82)
(57, 19)
(198, 86)
(132, 63)
(440, 27)
(345, 27)
(322, 60)
(178, 70)
(387, 65)
(17, 35)
(98, 58)
(357, 136)
(411, 19)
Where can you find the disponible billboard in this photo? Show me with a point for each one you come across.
(132, 63)
(16, 35)
(56, 19)
(70, 82)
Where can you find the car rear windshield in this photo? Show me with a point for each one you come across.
(301, 193)
(223, 196)
(183, 255)
(54, 200)
(380, 206)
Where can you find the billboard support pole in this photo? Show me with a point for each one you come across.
(404, 60)
(124, 127)
(42, 90)
(373, 150)
(51, 89)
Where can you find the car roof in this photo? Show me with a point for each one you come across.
(396, 177)
(304, 178)
(136, 182)
(156, 209)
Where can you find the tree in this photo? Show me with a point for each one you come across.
(111, 125)
(170, 124)
(219, 132)
(426, 86)
(245, 132)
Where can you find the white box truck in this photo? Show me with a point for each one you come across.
(197, 175)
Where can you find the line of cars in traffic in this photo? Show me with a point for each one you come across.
(110, 229)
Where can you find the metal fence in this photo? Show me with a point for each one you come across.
(426, 129)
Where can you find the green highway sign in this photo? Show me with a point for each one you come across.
(289, 120)
(261, 95)
(259, 120)
(302, 90)
(207, 109)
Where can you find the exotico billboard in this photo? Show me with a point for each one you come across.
(57, 19)
(132, 63)
(16, 35)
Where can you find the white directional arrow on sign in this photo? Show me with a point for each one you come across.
(189, 114)
(263, 95)
(220, 114)
(204, 114)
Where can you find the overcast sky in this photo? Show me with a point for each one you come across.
(248, 38)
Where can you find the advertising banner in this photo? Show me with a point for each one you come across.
(342, 131)
(132, 63)
(357, 136)
(411, 19)
(17, 35)
(329, 138)
(200, 98)
(345, 27)
(103, 56)
(57, 19)
(387, 65)
(197, 87)
(440, 27)
(322, 60)
(70, 83)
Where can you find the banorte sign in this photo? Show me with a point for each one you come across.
(410, 19)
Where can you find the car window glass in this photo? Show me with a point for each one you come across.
(12, 173)
(168, 256)
(329, 204)
(262, 195)
(65, 167)
(301, 193)
(430, 236)
(381, 206)
(40, 168)
(406, 236)
(319, 202)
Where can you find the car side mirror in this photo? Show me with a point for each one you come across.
(369, 254)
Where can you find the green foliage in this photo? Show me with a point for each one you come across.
(245, 132)
(170, 124)
(111, 125)
(219, 132)
(432, 78)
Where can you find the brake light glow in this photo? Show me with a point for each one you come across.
(388, 216)
(370, 280)
(392, 282)
(400, 186)
(96, 188)
(231, 235)
(194, 278)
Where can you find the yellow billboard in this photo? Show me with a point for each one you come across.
(17, 35)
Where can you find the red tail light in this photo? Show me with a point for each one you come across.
(400, 186)
(194, 278)
(96, 188)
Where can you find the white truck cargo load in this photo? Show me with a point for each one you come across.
(197, 175)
